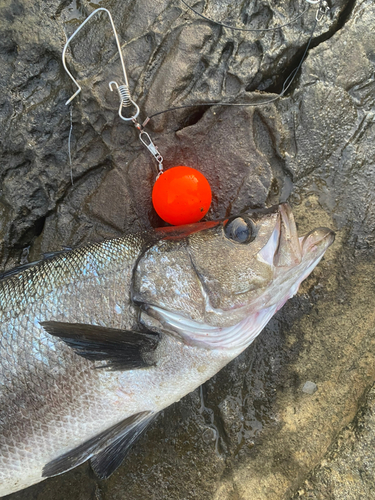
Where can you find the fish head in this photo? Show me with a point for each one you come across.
(218, 283)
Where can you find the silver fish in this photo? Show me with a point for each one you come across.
(96, 341)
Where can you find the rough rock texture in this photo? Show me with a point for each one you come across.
(347, 472)
(250, 432)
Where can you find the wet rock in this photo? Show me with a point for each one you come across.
(250, 432)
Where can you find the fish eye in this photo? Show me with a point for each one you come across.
(240, 229)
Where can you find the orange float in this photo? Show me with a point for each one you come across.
(181, 195)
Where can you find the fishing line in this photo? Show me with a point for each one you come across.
(223, 25)
(323, 9)
(70, 130)
(69, 144)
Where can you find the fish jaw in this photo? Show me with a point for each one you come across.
(292, 260)
(231, 338)
(291, 257)
(313, 247)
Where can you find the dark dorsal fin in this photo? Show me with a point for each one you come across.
(51, 255)
(18, 269)
(110, 441)
(106, 462)
(23, 267)
(118, 349)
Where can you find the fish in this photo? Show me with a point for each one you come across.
(95, 341)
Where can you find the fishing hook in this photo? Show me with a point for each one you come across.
(123, 90)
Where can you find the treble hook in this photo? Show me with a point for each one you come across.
(123, 90)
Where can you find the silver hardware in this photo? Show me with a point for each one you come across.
(322, 11)
(147, 141)
(125, 101)
(123, 92)
(101, 9)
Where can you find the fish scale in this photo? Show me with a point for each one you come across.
(96, 341)
(51, 291)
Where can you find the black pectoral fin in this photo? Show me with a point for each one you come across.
(110, 440)
(106, 462)
(119, 349)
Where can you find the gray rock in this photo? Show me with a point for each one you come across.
(309, 387)
(251, 433)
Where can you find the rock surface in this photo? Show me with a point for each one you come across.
(250, 432)
(347, 472)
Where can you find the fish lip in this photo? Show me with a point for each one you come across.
(283, 249)
(318, 239)
(289, 252)
(286, 249)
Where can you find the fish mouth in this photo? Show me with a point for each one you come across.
(286, 249)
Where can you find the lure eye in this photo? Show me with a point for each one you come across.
(240, 230)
